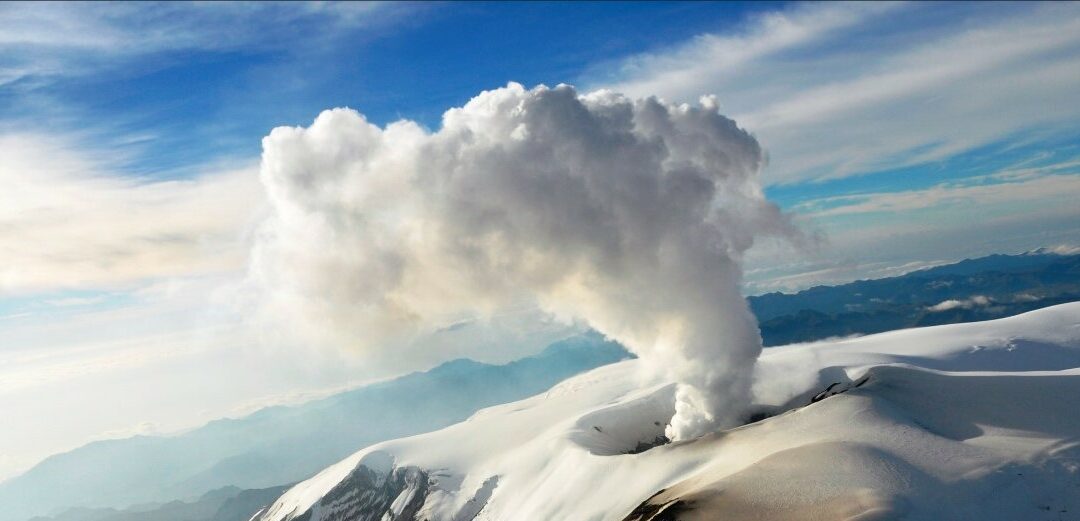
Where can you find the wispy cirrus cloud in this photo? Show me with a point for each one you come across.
(1041, 190)
(887, 126)
(713, 59)
(50, 39)
(887, 233)
(69, 219)
(835, 90)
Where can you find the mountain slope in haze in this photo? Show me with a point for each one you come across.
(964, 421)
(224, 504)
(285, 444)
(986, 288)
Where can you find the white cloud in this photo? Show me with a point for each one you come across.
(1062, 249)
(975, 301)
(839, 89)
(68, 219)
(26, 371)
(139, 429)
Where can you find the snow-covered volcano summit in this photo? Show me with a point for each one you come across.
(967, 421)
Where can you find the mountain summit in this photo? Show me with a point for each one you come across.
(967, 421)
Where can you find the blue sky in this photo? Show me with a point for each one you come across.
(904, 134)
(202, 100)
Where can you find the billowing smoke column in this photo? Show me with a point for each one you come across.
(631, 216)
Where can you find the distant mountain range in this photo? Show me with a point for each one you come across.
(223, 504)
(971, 290)
(279, 445)
(208, 467)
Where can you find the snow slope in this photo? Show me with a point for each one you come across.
(966, 421)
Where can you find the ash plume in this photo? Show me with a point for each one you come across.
(631, 216)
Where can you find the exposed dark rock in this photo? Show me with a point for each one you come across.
(655, 509)
(643, 446)
(824, 394)
(836, 388)
(366, 495)
(758, 415)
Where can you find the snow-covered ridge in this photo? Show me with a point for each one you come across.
(966, 421)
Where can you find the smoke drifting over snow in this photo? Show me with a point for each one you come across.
(631, 216)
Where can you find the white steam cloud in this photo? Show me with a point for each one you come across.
(632, 216)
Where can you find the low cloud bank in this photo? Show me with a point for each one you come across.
(946, 305)
(631, 216)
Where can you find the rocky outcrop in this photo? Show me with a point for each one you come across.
(392, 493)
(367, 495)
